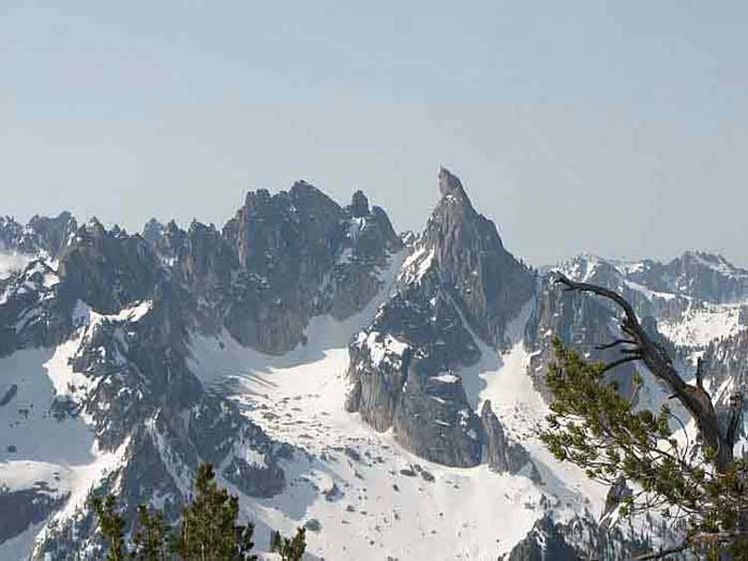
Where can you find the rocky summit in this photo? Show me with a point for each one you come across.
(457, 285)
(383, 390)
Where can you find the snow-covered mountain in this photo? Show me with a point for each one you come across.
(382, 390)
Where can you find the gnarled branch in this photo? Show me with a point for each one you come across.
(615, 344)
(694, 398)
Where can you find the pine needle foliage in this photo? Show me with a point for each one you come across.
(112, 526)
(289, 549)
(208, 530)
(593, 426)
(153, 539)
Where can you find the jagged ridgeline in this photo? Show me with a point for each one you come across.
(381, 390)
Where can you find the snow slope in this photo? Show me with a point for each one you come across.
(373, 499)
(12, 262)
(701, 325)
(351, 479)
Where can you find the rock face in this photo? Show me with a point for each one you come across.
(354, 280)
(35, 309)
(496, 442)
(486, 281)
(544, 543)
(41, 235)
(153, 231)
(617, 493)
(109, 269)
(699, 275)
(578, 320)
(404, 367)
(727, 359)
(672, 299)
(726, 368)
(281, 260)
(285, 243)
(503, 455)
(433, 418)
(22, 508)
(580, 538)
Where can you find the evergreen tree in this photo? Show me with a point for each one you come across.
(290, 549)
(112, 527)
(152, 540)
(208, 531)
(697, 482)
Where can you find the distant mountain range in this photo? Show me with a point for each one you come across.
(381, 389)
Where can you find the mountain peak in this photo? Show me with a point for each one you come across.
(450, 184)
(95, 226)
(153, 230)
(359, 204)
(707, 259)
(487, 281)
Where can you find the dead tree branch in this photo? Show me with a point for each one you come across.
(694, 398)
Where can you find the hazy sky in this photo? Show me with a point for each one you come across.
(618, 128)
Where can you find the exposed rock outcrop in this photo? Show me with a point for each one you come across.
(109, 269)
(281, 260)
(503, 454)
(22, 508)
(41, 235)
(696, 274)
(496, 442)
(487, 282)
(579, 538)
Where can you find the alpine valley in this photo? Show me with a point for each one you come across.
(381, 389)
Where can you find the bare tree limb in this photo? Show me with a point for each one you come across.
(615, 343)
(694, 398)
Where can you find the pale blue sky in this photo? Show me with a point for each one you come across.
(619, 128)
